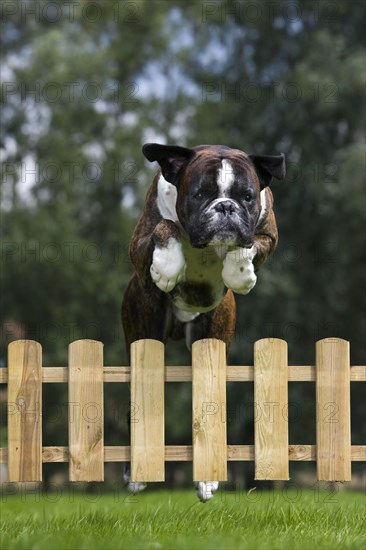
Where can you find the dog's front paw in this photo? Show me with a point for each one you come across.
(206, 489)
(168, 265)
(238, 271)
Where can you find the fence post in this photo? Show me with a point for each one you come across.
(333, 426)
(25, 411)
(86, 446)
(147, 411)
(209, 410)
(270, 415)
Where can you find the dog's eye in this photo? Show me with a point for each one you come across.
(198, 195)
(248, 197)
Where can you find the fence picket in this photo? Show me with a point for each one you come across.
(147, 411)
(333, 410)
(270, 399)
(209, 410)
(25, 411)
(86, 443)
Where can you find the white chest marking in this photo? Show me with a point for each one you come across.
(167, 200)
(202, 266)
(263, 206)
(225, 178)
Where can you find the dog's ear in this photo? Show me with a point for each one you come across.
(171, 158)
(269, 167)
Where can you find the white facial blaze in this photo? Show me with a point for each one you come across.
(225, 178)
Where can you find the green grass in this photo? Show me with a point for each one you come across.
(176, 519)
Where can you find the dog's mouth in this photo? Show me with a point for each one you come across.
(215, 228)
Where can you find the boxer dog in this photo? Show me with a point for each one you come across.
(206, 228)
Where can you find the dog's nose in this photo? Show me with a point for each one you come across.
(225, 207)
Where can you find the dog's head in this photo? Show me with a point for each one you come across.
(218, 190)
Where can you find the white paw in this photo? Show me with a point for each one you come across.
(238, 271)
(133, 487)
(168, 265)
(206, 489)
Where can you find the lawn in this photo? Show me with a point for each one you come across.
(176, 519)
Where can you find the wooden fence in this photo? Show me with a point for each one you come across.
(209, 374)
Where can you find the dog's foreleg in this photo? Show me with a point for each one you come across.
(168, 263)
(238, 270)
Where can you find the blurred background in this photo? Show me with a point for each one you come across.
(84, 85)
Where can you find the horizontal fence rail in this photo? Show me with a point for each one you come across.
(209, 452)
